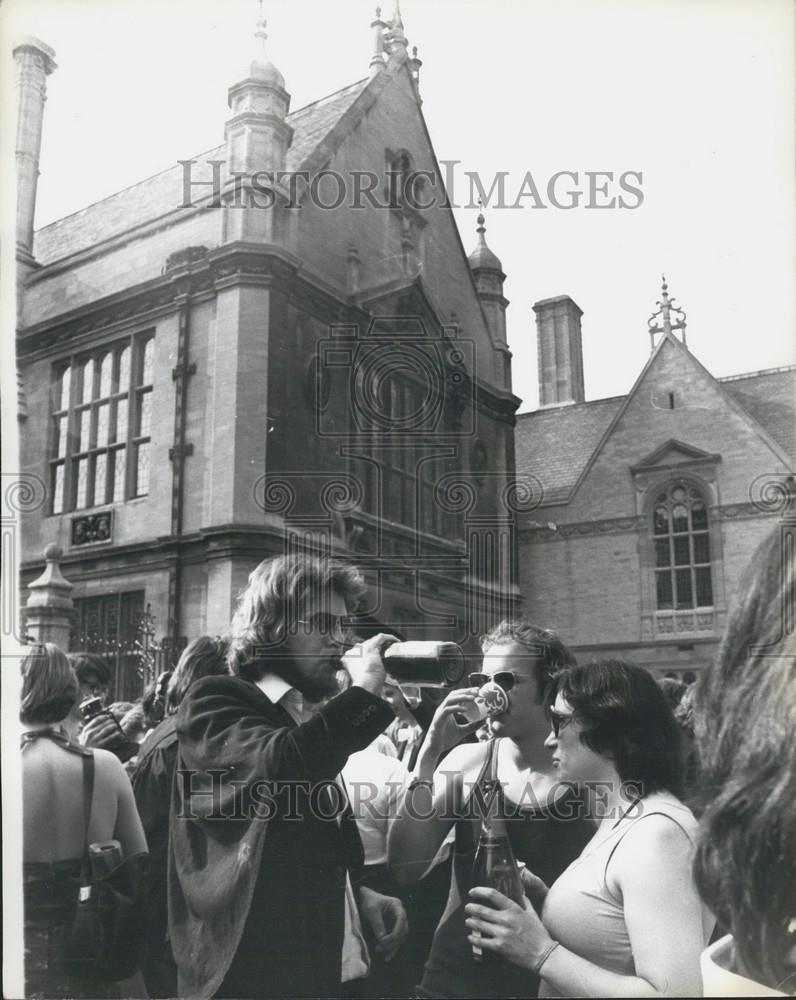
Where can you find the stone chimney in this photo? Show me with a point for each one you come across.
(559, 351)
(34, 62)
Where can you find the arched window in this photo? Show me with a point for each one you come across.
(681, 538)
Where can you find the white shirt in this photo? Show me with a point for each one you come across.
(375, 782)
(356, 960)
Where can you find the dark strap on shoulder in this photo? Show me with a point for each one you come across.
(88, 795)
(492, 759)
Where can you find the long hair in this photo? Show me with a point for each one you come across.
(203, 657)
(543, 645)
(626, 716)
(49, 686)
(745, 724)
(279, 590)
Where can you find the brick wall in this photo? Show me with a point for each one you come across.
(589, 585)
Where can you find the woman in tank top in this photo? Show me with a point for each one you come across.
(53, 816)
(544, 818)
(625, 918)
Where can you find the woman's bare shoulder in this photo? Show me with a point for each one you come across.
(108, 767)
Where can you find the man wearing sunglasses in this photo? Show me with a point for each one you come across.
(545, 826)
(265, 858)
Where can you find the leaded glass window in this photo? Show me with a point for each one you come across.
(102, 415)
(681, 540)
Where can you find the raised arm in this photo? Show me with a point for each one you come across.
(228, 725)
(429, 808)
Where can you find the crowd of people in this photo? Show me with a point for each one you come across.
(306, 827)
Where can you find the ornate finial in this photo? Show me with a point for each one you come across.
(481, 220)
(414, 69)
(260, 26)
(260, 66)
(377, 59)
(482, 257)
(396, 37)
(666, 311)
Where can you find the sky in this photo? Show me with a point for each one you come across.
(696, 95)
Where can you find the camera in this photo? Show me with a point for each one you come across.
(90, 708)
(116, 741)
(399, 378)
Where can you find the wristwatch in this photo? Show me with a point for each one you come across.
(413, 784)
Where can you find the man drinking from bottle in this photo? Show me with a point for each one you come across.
(544, 820)
(265, 856)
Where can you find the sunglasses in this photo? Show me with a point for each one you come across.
(559, 721)
(505, 679)
(328, 624)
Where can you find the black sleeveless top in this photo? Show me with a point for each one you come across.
(547, 840)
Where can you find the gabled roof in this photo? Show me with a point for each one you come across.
(162, 193)
(558, 444)
(770, 397)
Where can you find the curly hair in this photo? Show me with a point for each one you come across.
(625, 715)
(49, 686)
(279, 590)
(549, 653)
(745, 723)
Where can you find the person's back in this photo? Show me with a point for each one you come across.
(54, 827)
(52, 783)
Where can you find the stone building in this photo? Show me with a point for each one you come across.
(280, 344)
(649, 504)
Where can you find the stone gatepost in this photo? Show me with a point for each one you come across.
(48, 612)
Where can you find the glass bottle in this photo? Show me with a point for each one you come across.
(424, 663)
(495, 865)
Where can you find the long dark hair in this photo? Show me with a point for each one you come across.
(626, 716)
(745, 724)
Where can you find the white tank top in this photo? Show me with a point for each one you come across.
(581, 912)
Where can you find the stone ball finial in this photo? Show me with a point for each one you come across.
(53, 552)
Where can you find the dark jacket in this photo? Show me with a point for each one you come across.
(152, 782)
(256, 874)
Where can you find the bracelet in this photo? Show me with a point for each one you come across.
(413, 784)
(537, 968)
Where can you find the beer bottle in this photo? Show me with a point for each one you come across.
(495, 865)
(425, 664)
